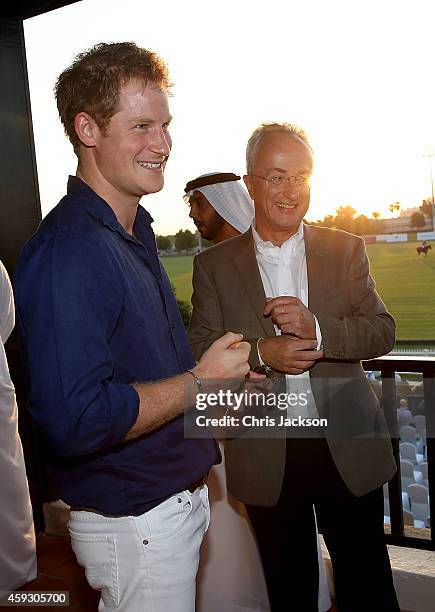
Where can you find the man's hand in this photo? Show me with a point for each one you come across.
(227, 357)
(163, 400)
(291, 316)
(289, 355)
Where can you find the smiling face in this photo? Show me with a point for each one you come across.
(280, 207)
(206, 219)
(130, 156)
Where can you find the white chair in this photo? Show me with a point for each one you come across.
(425, 474)
(407, 433)
(424, 443)
(409, 452)
(419, 497)
(404, 417)
(408, 519)
(409, 475)
(386, 505)
(405, 502)
(420, 423)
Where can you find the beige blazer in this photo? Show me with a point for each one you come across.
(229, 296)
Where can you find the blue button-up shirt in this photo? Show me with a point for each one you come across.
(96, 314)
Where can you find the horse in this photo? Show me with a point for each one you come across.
(423, 249)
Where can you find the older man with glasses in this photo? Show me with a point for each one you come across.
(230, 568)
(304, 299)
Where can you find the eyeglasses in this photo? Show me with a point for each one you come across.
(300, 181)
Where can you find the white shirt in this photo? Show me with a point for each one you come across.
(283, 271)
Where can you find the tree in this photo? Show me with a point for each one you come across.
(376, 215)
(185, 311)
(417, 220)
(184, 240)
(395, 207)
(363, 225)
(345, 218)
(328, 221)
(184, 307)
(163, 243)
(426, 208)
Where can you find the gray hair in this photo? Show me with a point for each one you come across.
(261, 132)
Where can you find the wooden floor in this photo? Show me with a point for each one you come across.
(58, 570)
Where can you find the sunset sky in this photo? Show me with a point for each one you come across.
(358, 76)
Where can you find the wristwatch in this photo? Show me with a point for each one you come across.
(263, 368)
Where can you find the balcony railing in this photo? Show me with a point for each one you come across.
(415, 388)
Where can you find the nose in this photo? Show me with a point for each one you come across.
(161, 142)
(193, 211)
(291, 189)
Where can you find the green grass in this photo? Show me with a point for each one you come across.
(179, 269)
(405, 282)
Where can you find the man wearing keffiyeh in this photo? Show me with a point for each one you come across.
(219, 206)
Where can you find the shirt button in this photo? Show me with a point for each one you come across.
(145, 542)
(179, 500)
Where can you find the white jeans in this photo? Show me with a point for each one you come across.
(144, 563)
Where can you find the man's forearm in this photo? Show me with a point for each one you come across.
(161, 401)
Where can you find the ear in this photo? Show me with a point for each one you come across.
(86, 129)
(249, 185)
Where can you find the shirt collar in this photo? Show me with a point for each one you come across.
(100, 209)
(266, 248)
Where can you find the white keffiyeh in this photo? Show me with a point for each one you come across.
(231, 201)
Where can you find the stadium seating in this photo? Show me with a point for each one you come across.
(408, 451)
(408, 433)
(409, 475)
(425, 475)
(420, 423)
(419, 499)
(409, 519)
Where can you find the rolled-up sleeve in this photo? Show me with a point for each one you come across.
(69, 296)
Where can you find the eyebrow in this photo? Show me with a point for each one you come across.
(305, 171)
(141, 119)
(276, 170)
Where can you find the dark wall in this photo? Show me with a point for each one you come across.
(23, 9)
(20, 210)
(20, 214)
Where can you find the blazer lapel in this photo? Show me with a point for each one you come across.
(247, 267)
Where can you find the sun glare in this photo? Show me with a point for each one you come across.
(356, 76)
